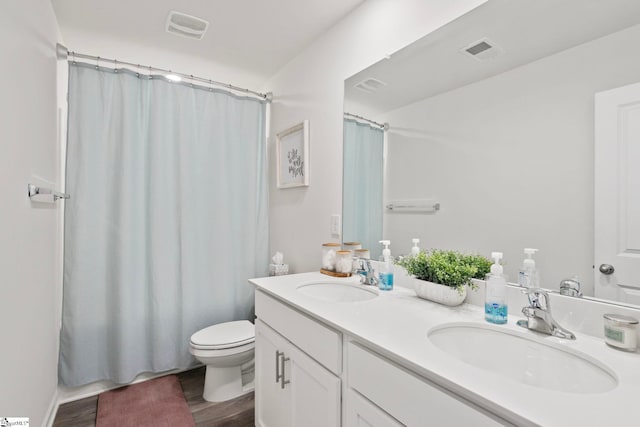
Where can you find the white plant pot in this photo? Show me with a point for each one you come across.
(441, 294)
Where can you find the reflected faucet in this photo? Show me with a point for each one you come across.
(571, 287)
(538, 315)
(365, 270)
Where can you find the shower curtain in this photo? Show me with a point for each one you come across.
(363, 185)
(166, 222)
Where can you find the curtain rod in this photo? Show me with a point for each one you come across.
(63, 53)
(383, 126)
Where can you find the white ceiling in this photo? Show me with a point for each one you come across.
(259, 36)
(527, 30)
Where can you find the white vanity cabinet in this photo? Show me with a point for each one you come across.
(292, 388)
(300, 380)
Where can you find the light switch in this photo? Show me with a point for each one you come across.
(335, 225)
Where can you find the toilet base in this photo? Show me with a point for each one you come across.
(222, 384)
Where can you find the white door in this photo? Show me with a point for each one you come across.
(617, 194)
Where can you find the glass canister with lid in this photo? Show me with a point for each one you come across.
(329, 256)
(344, 262)
(362, 253)
(351, 246)
(620, 331)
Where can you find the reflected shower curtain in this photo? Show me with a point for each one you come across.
(166, 222)
(363, 185)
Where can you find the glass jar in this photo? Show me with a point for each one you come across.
(620, 331)
(329, 256)
(362, 253)
(344, 262)
(351, 246)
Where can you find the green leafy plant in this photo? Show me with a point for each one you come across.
(449, 268)
(482, 265)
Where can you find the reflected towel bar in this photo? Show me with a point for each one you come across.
(413, 206)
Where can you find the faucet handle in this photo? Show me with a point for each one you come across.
(535, 291)
(535, 295)
(365, 263)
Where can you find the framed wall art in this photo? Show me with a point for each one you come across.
(293, 156)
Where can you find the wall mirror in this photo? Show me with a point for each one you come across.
(491, 120)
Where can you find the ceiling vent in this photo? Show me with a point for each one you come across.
(370, 85)
(482, 50)
(186, 25)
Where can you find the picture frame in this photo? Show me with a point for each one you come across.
(293, 156)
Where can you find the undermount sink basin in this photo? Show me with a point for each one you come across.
(520, 358)
(337, 292)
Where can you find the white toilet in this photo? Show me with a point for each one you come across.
(226, 349)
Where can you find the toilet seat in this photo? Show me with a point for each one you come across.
(224, 336)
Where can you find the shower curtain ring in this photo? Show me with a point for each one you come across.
(98, 63)
(115, 69)
(150, 76)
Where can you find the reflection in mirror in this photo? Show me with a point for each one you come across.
(362, 195)
(504, 139)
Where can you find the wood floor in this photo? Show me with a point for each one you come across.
(233, 413)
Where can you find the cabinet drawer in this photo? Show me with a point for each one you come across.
(320, 342)
(359, 412)
(410, 399)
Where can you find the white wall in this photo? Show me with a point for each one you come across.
(28, 243)
(510, 159)
(311, 87)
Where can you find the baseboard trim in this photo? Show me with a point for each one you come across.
(52, 410)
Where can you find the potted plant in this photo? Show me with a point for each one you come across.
(443, 276)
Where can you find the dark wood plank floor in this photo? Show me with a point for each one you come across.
(233, 413)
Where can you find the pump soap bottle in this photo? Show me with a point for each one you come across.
(528, 274)
(415, 250)
(495, 304)
(386, 268)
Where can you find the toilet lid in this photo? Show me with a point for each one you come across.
(225, 335)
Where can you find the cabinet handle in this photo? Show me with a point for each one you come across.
(278, 374)
(284, 359)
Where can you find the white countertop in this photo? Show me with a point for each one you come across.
(396, 323)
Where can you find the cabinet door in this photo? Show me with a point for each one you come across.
(272, 401)
(315, 391)
(359, 412)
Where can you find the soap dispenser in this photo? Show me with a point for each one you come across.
(386, 268)
(415, 250)
(495, 304)
(528, 274)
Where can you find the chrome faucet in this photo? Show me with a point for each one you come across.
(365, 270)
(538, 315)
